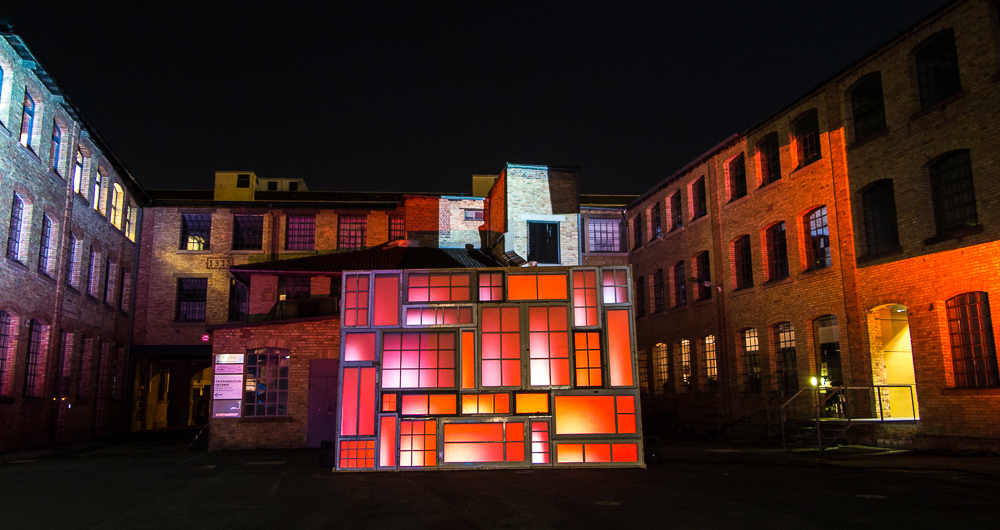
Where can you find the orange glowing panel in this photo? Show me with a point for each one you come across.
(540, 442)
(358, 395)
(386, 303)
(388, 402)
(387, 442)
(569, 453)
(624, 452)
(585, 298)
(501, 346)
(588, 358)
(356, 300)
(536, 287)
(473, 442)
(469, 359)
(486, 404)
(615, 285)
(548, 337)
(619, 348)
(531, 403)
(417, 443)
(626, 414)
(357, 454)
(597, 452)
(423, 404)
(585, 414)
(552, 287)
(359, 346)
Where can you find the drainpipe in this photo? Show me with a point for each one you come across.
(129, 379)
(274, 233)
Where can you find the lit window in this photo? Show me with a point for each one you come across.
(438, 316)
(787, 372)
(680, 285)
(661, 365)
(777, 252)
(751, 360)
(868, 107)
(417, 443)
(473, 215)
(879, 205)
(196, 230)
(191, 299)
(5, 349)
(737, 177)
(418, 360)
(615, 286)
(543, 242)
(356, 287)
(491, 287)
(827, 335)
(27, 119)
(300, 233)
(807, 138)
(117, 205)
(818, 240)
(45, 245)
(536, 287)
(704, 275)
(658, 295)
(501, 346)
(438, 287)
(585, 298)
(34, 371)
(953, 193)
(78, 171)
(937, 69)
(540, 451)
(587, 346)
(71, 260)
(710, 366)
(351, 232)
(770, 160)
(96, 197)
(548, 350)
(604, 235)
(14, 235)
(397, 228)
(248, 232)
(743, 260)
(54, 148)
(266, 383)
(676, 213)
(656, 221)
(973, 353)
(684, 357)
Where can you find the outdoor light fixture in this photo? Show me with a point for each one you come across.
(814, 381)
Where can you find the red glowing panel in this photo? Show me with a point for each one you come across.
(356, 300)
(569, 453)
(491, 287)
(414, 404)
(548, 346)
(514, 445)
(501, 346)
(469, 359)
(358, 402)
(367, 394)
(585, 414)
(531, 403)
(597, 452)
(436, 316)
(443, 404)
(349, 402)
(585, 298)
(418, 360)
(624, 452)
(615, 285)
(357, 454)
(522, 287)
(619, 348)
(424, 405)
(588, 358)
(386, 303)
(626, 414)
(417, 443)
(359, 346)
(388, 402)
(473, 442)
(387, 442)
(539, 442)
(439, 287)
(486, 404)
(552, 287)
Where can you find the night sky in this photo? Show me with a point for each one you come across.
(419, 96)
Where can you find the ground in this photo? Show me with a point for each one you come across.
(160, 482)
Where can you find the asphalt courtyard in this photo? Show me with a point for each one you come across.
(160, 483)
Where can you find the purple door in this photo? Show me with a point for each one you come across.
(323, 374)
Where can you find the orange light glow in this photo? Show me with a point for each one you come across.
(597, 452)
(585, 414)
(531, 403)
(624, 452)
(569, 453)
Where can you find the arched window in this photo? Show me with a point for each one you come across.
(777, 252)
(96, 197)
(54, 148)
(6, 351)
(737, 177)
(703, 271)
(751, 360)
(117, 205)
(27, 120)
(710, 367)
(937, 69)
(743, 260)
(34, 377)
(973, 353)
(78, 171)
(868, 107)
(680, 285)
(879, 205)
(807, 138)
(14, 234)
(818, 239)
(828, 342)
(952, 192)
(770, 159)
(786, 372)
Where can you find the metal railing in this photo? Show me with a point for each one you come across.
(840, 404)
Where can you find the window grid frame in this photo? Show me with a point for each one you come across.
(786, 362)
(938, 77)
(16, 224)
(807, 138)
(680, 285)
(661, 368)
(750, 342)
(273, 398)
(817, 230)
(953, 192)
(300, 232)
(248, 232)
(878, 202)
(34, 361)
(868, 107)
(192, 300)
(737, 170)
(710, 364)
(603, 234)
(352, 232)
(777, 251)
(769, 153)
(743, 262)
(971, 340)
(196, 231)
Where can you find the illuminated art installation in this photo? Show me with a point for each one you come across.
(488, 368)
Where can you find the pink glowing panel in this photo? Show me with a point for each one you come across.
(585, 298)
(417, 443)
(349, 403)
(624, 452)
(548, 346)
(619, 348)
(469, 359)
(414, 404)
(358, 402)
(539, 442)
(569, 453)
(418, 360)
(473, 442)
(491, 287)
(355, 300)
(597, 452)
(585, 414)
(386, 303)
(359, 346)
(615, 285)
(514, 445)
(366, 402)
(501, 346)
(387, 441)
(439, 287)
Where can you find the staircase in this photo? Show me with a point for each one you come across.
(818, 417)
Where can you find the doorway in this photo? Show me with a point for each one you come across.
(892, 361)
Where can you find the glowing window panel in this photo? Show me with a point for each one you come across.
(435, 316)
(585, 414)
(531, 403)
(624, 452)
(387, 441)
(615, 285)
(485, 404)
(355, 300)
(359, 347)
(626, 414)
(536, 287)
(468, 359)
(587, 347)
(540, 442)
(389, 402)
(514, 441)
(417, 443)
(491, 287)
(386, 303)
(483, 442)
(357, 454)
(439, 287)
(597, 452)
(358, 402)
(548, 352)
(428, 405)
(418, 360)
(569, 453)
(619, 348)
(501, 346)
(585, 298)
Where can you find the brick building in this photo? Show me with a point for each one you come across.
(839, 252)
(69, 209)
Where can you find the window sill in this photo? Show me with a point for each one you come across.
(188, 323)
(870, 139)
(802, 168)
(741, 291)
(30, 152)
(768, 187)
(733, 203)
(874, 257)
(54, 173)
(311, 251)
(247, 251)
(17, 264)
(955, 234)
(703, 301)
(774, 283)
(693, 222)
(267, 419)
(605, 253)
(83, 199)
(4, 131)
(184, 251)
(809, 273)
(984, 391)
(940, 105)
(678, 308)
(45, 277)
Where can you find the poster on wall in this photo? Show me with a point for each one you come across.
(229, 358)
(228, 386)
(229, 368)
(226, 408)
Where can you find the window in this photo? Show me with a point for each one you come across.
(107, 282)
(78, 171)
(83, 372)
(744, 263)
(5, 349)
(35, 365)
(474, 215)
(294, 287)
(191, 299)
(737, 177)
(248, 232)
(117, 205)
(637, 231)
(196, 231)
(973, 353)
(699, 199)
(14, 235)
(418, 360)
(640, 297)
(293, 186)
(588, 358)
(770, 160)
(710, 365)
(684, 355)
(658, 304)
(615, 286)
(243, 180)
(239, 301)
(604, 235)
(397, 228)
(543, 242)
(27, 119)
(438, 287)
(501, 346)
(356, 293)
(88, 285)
(584, 297)
(879, 205)
(868, 107)
(777, 252)
(54, 148)
(548, 354)
(680, 285)
(751, 360)
(491, 287)
(300, 234)
(351, 232)
(98, 203)
(654, 219)
(661, 367)
(643, 356)
(266, 383)
(817, 240)
(937, 69)
(787, 372)
(272, 185)
(828, 340)
(71, 260)
(121, 290)
(676, 214)
(704, 274)
(807, 138)
(952, 192)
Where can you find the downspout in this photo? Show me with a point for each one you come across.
(129, 379)
(274, 233)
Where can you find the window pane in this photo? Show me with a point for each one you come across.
(301, 232)
(879, 204)
(248, 232)
(352, 232)
(937, 70)
(868, 107)
(737, 178)
(807, 137)
(953, 193)
(818, 239)
(195, 231)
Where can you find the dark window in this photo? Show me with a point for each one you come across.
(352, 232)
(266, 384)
(300, 234)
(973, 353)
(34, 365)
(640, 297)
(658, 304)
(121, 290)
(88, 286)
(953, 193)
(294, 287)
(699, 199)
(704, 272)
(191, 299)
(777, 252)
(107, 282)
(543, 242)
(604, 235)
(787, 372)
(868, 107)
(937, 69)
(751, 360)
(474, 215)
(14, 235)
(637, 231)
(879, 205)
(293, 186)
(744, 262)
(397, 228)
(71, 260)
(807, 138)
(818, 240)
(27, 119)
(827, 336)
(196, 229)
(45, 246)
(54, 148)
(248, 232)
(676, 213)
(680, 285)
(656, 221)
(770, 160)
(272, 185)
(243, 180)
(737, 178)
(239, 301)
(5, 349)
